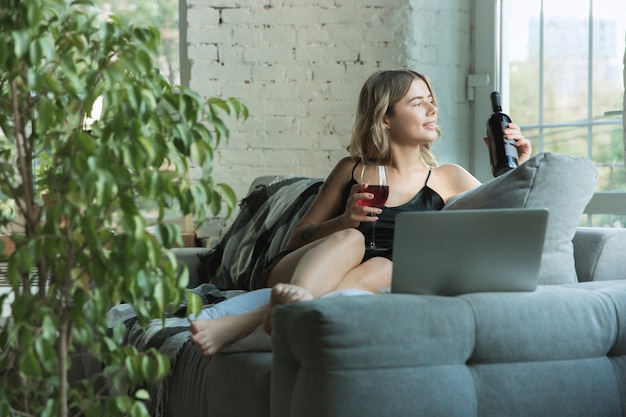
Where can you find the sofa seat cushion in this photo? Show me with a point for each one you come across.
(555, 351)
(562, 184)
(541, 326)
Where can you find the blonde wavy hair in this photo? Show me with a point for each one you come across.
(382, 90)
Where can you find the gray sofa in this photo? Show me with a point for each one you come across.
(557, 351)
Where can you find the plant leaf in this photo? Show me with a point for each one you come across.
(194, 304)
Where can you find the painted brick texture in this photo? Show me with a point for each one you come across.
(299, 64)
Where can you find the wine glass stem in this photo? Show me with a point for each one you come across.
(373, 242)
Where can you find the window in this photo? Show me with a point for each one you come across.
(163, 15)
(160, 14)
(559, 66)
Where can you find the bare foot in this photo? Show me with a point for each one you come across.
(211, 335)
(285, 294)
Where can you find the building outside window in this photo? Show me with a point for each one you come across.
(565, 62)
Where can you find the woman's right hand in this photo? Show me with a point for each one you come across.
(357, 212)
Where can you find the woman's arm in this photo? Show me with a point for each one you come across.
(321, 218)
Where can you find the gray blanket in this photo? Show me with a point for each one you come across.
(259, 232)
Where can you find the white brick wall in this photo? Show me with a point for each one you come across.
(299, 64)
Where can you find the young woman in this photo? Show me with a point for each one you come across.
(395, 126)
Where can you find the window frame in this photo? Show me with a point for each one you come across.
(488, 15)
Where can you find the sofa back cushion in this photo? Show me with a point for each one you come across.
(561, 183)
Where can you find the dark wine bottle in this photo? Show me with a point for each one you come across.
(502, 152)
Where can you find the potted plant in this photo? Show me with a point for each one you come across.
(87, 248)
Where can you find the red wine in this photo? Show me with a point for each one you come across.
(502, 152)
(381, 192)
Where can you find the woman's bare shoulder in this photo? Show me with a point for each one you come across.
(455, 178)
(452, 169)
(346, 164)
(342, 172)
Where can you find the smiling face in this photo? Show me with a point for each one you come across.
(395, 107)
(414, 117)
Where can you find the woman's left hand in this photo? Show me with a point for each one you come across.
(523, 146)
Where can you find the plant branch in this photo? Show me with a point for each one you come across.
(24, 162)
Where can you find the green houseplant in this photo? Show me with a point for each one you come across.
(87, 248)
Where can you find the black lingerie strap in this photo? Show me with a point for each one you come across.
(428, 176)
(355, 165)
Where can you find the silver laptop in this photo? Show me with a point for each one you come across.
(461, 251)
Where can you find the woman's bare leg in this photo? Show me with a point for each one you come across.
(314, 269)
(320, 266)
(213, 334)
(289, 293)
(285, 294)
(371, 275)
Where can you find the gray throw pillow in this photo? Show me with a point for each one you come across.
(562, 184)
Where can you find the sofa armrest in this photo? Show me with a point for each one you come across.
(333, 355)
(599, 253)
(190, 258)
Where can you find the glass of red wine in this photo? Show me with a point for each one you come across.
(374, 177)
